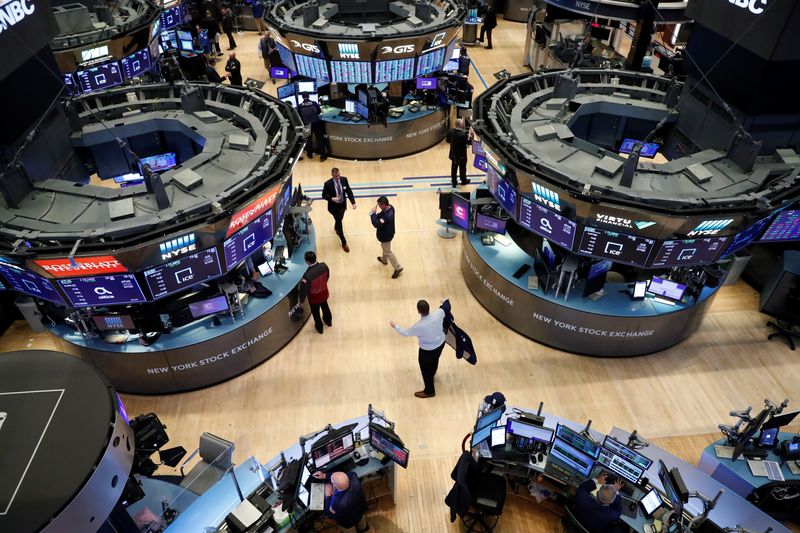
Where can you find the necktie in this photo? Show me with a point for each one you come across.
(338, 190)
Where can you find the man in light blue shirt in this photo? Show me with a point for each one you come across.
(430, 332)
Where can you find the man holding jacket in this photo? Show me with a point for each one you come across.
(382, 216)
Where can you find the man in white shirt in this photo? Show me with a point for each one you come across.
(430, 332)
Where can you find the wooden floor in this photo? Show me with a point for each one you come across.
(675, 398)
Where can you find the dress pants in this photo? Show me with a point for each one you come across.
(232, 42)
(338, 211)
(428, 365)
(317, 140)
(461, 167)
(488, 32)
(388, 255)
(326, 314)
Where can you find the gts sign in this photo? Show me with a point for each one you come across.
(402, 49)
(755, 7)
(314, 49)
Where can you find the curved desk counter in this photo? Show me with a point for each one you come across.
(612, 326)
(408, 134)
(199, 354)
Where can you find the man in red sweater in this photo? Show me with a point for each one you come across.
(314, 285)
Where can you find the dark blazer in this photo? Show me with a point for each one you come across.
(234, 67)
(384, 224)
(350, 505)
(457, 337)
(595, 516)
(459, 499)
(227, 22)
(458, 140)
(212, 75)
(329, 193)
(490, 18)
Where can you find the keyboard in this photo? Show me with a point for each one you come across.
(317, 500)
(628, 507)
(510, 455)
(562, 473)
(774, 471)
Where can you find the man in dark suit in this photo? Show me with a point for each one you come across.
(227, 27)
(344, 500)
(600, 514)
(458, 138)
(309, 112)
(334, 191)
(234, 69)
(489, 23)
(314, 286)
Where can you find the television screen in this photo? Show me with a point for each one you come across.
(98, 291)
(135, 64)
(247, 240)
(284, 200)
(281, 73)
(218, 304)
(666, 289)
(159, 162)
(648, 150)
(171, 17)
(286, 90)
(306, 87)
(746, 237)
(461, 211)
(186, 45)
(287, 58)
(168, 40)
(430, 62)
(689, 252)
(785, 227)
(394, 70)
(99, 77)
(546, 223)
(113, 322)
(426, 83)
(27, 282)
(487, 223)
(312, 67)
(351, 72)
(619, 247)
(507, 196)
(186, 272)
(480, 163)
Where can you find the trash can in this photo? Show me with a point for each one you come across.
(31, 313)
(738, 262)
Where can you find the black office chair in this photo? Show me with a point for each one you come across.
(779, 499)
(571, 523)
(477, 496)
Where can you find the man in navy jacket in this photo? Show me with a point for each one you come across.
(382, 216)
(600, 514)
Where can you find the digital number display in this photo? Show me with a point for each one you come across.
(313, 67)
(102, 290)
(394, 70)
(619, 247)
(136, 64)
(507, 196)
(430, 62)
(351, 72)
(99, 77)
(186, 272)
(546, 223)
(689, 252)
(786, 227)
(248, 240)
(29, 283)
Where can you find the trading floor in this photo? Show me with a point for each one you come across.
(675, 398)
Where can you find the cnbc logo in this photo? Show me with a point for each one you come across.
(623, 222)
(177, 247)
(13, 11)
(710, 227)
(546, 197)
(756, 7)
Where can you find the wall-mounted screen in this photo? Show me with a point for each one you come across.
(785, 227)
(283, 200)
(689, 252)
(99, 77)
(619, 247)
(313, 67)
(430, 62)
(394, 70)
(186, 272)
(546, 223)
(135, 64)
(27, 282)
(247, 240)
(98, 291)
(507, 196)
(351, 72)
(287, 58)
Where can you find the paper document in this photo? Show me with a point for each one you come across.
(757, 468)
(724, 452)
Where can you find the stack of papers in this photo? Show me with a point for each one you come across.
(724, 452)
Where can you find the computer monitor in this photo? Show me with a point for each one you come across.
(522, 429)
(287, 90)
(480, 436)
(650, 502)
(768, 438)
(383, 441)
(571, 457)
(212, 306)
(113, 322)
(744, 437)
(489, 419)
(664, 288)
(291, 100)
(620, 466)
(329, 449)
(350, 106)
(648, 149)
(427, 84)
(574, 439)
(639, 290)
(281, 73)
(306, 87)
(362, 109)
(159, 162)
(620, 449)
(781, 420)
(673, 488)
(461, 211)
(487, 223)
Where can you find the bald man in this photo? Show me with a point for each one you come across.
(344, 500)
(234, 69)
(600, 514)
(458, 138)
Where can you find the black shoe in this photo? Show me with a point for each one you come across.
(397, 273)
(318, 328)
(455, 185)
(488, 47)
(382, 261)
(329, 323)
(323, 158)
(466, 182)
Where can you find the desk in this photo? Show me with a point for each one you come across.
(731, 509)
(408, 134)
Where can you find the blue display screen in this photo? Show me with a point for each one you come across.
(313, 67)
(159, 162)
(394, 70)
(480, 163)
(492, 179)
(186, 272)
(99, 77)
(171, 17)
(247, 240)
(27, 282)
(546, 223)
(619, 247)
(351, 72)
(287, 58)
(279, 73)
(430, 62)
(284, 199)
(573, 458)
(689, 252)
(69, 83)
(136, 64)
(746, 237)
(98, 291)
(488, 223)
(785, 227)
(507, 196)
(648, 149)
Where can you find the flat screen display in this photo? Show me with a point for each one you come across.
(186, 272)
(576, 440)
(284, 200)
(480, 436)
(480, 163)
(427, 83)
(648, 149)
(651, 501)
(689, 252)
(218, 304)
(113, 322)
(461, 212)
(159, 162)
(313, 67)
(287, 90)
(620, 466)
(98, 291)
(430, 62)
(136, 64)
(306, 87)
(619, 247)
(489, 419)
(492, 179)
(477, 148)
(487, 223)
(351, 72)
(27, 282)
(362, 110)
(546, 223)
(571, 457)
(287, 58)
(71, 87)
(506, 195)
(291, 100)
(281, 73)
(665, 288)
(247, 240)
(529, 431)
(620, 449)
(168, 39)
(171, 17)
(785, 227)
(746, 237)
(394, 70)
(99, 77)
(388, 447)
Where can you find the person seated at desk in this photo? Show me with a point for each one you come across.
(600, 514)
(344, 500)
